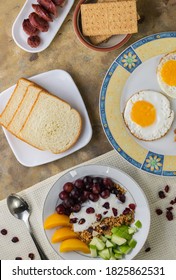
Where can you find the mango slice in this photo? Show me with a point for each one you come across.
(55, 220)
(63, 234)
(74, 245)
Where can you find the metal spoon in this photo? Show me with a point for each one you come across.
(19, 208)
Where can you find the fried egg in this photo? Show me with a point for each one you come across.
(166, 74)
(148, 115)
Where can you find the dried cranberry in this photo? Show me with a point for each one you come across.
(99, 217)
(73, 220)
(106, 205)
(169, 208)
(3, 231)
(18, 258)
(159, 211)
(172, 202)
(166, 189)
(114, 210)
(147, 249)
(104, 227)
(105, 212)
(81, 221)
(90, 229)
(126, 211)
(31, 256)
(90, 210)
(132, 206)
(15, 239)
(122, 198)
(161, 194)
(169, 215)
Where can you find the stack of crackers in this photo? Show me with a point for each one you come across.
(105, 18)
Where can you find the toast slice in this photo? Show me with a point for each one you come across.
(14, 101)
(51, 125)
(24, 109)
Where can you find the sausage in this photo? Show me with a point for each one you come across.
(42, 12)
(60, 3)
(38, 22)
(33, 41)
(49, 6)
(29, 28)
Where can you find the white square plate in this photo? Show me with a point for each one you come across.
(59, 83)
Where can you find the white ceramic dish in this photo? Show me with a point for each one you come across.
(20, 37)
(142, 208)
(62, 85)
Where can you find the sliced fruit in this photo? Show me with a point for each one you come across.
(138, 224)
(55, 220)
(118, 240)
(132, 243)
(125, 249)
(100, 245)
(63, 234)
(104, 254)
(74, 244)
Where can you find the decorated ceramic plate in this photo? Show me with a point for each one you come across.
(134, 70)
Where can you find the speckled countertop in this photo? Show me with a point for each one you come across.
(86, 67)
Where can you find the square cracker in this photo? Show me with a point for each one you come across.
(109, 18)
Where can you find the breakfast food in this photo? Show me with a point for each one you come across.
(148, 115)
(51, 124)
(24, 109)
(100, 214)
(38, 21)
(41, 119)
(102, 19)
(96, 40)
(14, 101)
(166, 74)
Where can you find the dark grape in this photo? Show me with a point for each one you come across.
(94, 197)
(68, 202)
(68, 187)
(60, 209)
(75, 193)
(79, 184)
(97, 180)
(87, 180)
(108, 183)
(88, 187)
(76, 208)
(96, 188)
(73, 220)
(105, 194)
(63, 195)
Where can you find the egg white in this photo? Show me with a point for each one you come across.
(164, 115)
(169, 90)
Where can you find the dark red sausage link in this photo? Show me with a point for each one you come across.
(33, 41)
(38, 22)
(49, 6)
(42, 12)
(60, 3)
(29, 28)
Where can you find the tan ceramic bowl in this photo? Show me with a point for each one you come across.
(115, 42)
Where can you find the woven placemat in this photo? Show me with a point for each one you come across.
(162, 235)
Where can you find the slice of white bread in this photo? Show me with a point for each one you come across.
(14, 101)
(24, 109)
(51, 125)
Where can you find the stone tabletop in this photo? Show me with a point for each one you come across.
(87, 68)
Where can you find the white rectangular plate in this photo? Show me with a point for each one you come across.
(59, 83)
(20, 37)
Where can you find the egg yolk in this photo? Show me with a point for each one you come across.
(143, 113)
(168, 72)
